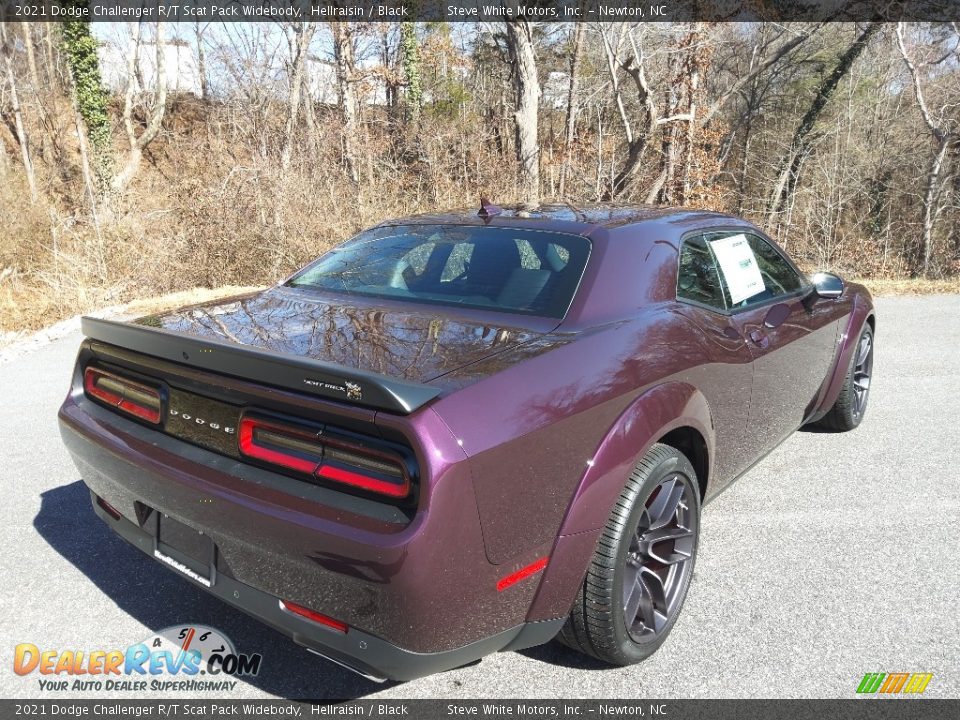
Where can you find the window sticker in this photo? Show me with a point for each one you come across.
(739, 266)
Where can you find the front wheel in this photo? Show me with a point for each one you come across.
(847, 412)
(641, 570)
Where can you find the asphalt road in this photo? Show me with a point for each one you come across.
(836, 556)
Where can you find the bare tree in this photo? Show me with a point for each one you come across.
(22, 138)
(636, 134)
(346, 69)
(299, 37)
(943, 137)
(526, 116)
(139, 142)
(800, 144)
(762, 60)
(27, 29)
(624, 52)
(410, 59)
(676, 157)
(573, 88)
(680, 120)
(199, 29)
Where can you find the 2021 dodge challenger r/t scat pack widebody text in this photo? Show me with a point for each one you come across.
(466, 432)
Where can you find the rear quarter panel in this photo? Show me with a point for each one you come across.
(539, 429)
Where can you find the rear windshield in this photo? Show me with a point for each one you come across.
(504, 269)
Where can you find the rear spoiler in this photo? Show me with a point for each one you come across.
(292, 372)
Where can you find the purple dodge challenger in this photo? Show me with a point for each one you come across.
(469, 432)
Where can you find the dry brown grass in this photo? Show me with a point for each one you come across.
(911, 286)
(211, 208)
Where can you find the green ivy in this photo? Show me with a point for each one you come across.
(80, 50)
(411, 66)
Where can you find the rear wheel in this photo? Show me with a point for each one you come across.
(847, 412)
(641, 570)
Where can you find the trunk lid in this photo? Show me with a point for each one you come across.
(413, 344)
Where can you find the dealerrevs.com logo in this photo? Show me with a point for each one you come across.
(188, 658)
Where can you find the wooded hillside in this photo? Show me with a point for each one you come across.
(842, 140)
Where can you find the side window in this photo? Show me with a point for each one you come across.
(778, 276)
(698, 278)
(752, 271)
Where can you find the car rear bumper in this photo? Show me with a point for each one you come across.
(363, 653)
(415, 600)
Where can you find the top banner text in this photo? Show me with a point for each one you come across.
(477, 10)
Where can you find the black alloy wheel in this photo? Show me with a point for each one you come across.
(641, 569)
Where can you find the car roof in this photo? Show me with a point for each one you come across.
(563, 217)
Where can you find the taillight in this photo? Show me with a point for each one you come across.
(323, 456)
(129, 396)
(280, 445)
(316, 617)
(366, 472)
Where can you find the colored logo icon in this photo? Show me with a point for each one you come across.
(892, 683)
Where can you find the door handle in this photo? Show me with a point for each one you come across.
(729, 333)
(759, 339)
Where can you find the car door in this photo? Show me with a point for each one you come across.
(725, 376)
(792, 337)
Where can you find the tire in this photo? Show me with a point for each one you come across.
(598, 624)
(851, 404)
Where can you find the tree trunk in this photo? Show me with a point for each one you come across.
(789, 172)
(669, 159)
(943, 139)
(752, 108)
(346, 69)
(309, 112)
(301, 36)
(202, 62)
(18, 119)
(744, 164)
(80, 50)
(679, 137)
(668, 152)
(692, 88)
(88, 179)
(27, 29)
(570, 123)
(637, 139)
(526, 116)
(46, 141)
(410, 56)
(48, 50)
(155, 122)
(930, 211)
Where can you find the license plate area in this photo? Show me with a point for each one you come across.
(186, 550)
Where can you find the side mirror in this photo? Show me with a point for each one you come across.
(827, 285)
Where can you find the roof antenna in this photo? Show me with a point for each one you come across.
(488, 209)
